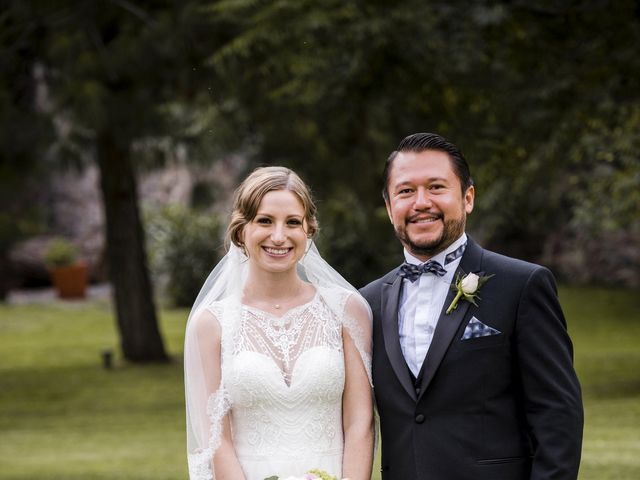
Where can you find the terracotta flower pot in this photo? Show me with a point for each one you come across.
(70, 281)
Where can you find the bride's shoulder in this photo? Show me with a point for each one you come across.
(226, 312)
(212, 315)
(344, 301)
(204, 329)
(333, 294)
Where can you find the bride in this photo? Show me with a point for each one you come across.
(277, 349)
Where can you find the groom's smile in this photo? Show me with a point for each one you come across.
(424, 218)
(426, 204)
(419, 227)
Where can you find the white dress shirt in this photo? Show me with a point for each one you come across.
(420, 305)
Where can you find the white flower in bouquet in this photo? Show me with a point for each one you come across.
(314, 474)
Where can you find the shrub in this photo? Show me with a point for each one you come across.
(60, 253)
(356, 240)
(184, 246)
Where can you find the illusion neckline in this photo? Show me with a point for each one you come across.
(285, 313)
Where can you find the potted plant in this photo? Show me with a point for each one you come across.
(68, 273)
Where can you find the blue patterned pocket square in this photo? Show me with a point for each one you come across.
(475, 329)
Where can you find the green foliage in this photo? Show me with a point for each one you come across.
(357, 243)
(329, 88)
(24, 132)
(133, 72)
(184, 246)
(604, 173)
(117, 65)
(60, 253)
(17, 224)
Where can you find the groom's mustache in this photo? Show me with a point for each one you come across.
(425, 215)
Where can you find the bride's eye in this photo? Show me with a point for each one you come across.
(295, 222)
(263, 220)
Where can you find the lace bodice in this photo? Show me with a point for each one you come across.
(284, 339)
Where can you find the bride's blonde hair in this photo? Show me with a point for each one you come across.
(249, 194)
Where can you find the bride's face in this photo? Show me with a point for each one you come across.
(276, 238)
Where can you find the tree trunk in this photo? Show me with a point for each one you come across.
(140, 337)
(5, 277)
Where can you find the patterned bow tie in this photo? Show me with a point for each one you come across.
(412, 272)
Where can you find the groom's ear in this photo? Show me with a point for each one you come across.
(469, 198)
(388, 207)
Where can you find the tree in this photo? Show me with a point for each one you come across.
(113, 68)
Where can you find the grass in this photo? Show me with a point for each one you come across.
(62, 416)
(605, 327)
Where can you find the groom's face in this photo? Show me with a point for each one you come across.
(426, 204)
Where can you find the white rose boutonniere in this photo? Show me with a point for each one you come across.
(467, 287)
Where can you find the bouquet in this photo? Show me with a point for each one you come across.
(310, 475)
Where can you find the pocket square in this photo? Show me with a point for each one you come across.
(475, 329)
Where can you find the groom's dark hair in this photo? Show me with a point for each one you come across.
(419, 142)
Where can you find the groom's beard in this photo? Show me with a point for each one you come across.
(451, 231)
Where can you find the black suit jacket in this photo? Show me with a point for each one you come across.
(499, 407)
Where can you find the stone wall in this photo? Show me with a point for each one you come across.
(73, 203)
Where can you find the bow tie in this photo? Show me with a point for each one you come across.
(412, 272)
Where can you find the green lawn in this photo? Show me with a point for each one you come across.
(62, 416)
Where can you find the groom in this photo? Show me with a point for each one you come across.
(487, 390)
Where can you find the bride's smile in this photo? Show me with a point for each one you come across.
(277, 252)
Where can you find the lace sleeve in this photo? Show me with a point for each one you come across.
(206, 399)
(358, 326)
(357, 321)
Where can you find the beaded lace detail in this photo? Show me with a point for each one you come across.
(285, 338)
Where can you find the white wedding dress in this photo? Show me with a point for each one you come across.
(285, 383)
(282, 380)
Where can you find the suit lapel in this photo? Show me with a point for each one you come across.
(448, 324)
(390, 301)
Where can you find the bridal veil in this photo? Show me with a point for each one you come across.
(207, 401)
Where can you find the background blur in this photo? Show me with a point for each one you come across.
(126, 125)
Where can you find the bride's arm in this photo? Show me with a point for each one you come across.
(357, 401)
(225, 463)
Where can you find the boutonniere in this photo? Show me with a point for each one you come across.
(467, 287)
